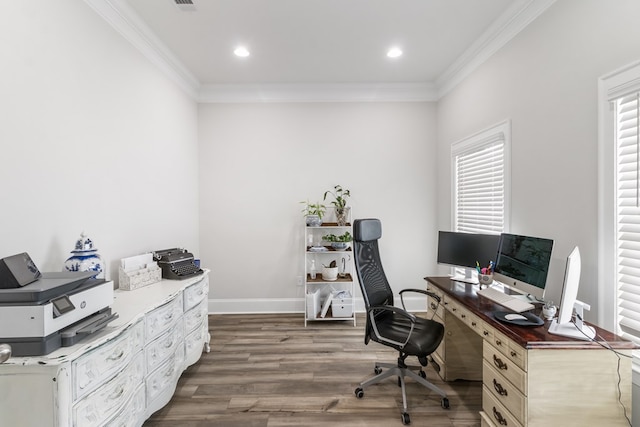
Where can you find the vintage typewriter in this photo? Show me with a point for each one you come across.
(177, 263)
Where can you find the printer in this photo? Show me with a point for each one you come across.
(41, 312)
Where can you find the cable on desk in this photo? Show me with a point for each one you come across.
(602, 343)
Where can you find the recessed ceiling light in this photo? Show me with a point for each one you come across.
(241, 51)
(394, 52)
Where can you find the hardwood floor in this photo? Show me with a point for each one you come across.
(271, 371)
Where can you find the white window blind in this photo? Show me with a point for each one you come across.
(480, 182)
(627, 114)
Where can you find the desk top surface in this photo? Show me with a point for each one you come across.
(526, 336)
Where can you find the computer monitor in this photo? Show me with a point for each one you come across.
(466, 249)
(564, 325)
(522, 263)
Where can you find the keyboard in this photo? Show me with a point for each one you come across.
(508, 301)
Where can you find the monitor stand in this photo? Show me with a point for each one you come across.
(578, 330)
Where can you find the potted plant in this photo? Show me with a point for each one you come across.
(340, 196)
(339, 243)
(330, 272)
(314, 213)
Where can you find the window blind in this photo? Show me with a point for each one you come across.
(480, 187)
(627, 114)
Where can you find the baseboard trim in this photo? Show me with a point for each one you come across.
(289, 305)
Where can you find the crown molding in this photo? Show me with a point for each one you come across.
(505, 28)
(374, 92)
(127, 22)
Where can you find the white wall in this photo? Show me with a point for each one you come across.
(545, 81)
(94, 138)
(258, 161)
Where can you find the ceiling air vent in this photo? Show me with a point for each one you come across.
(185, 5)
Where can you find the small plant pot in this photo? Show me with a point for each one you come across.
(341, 216)
(313, 221)
(329, 274)
(339, 246)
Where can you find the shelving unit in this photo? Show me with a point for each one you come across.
(317, 290)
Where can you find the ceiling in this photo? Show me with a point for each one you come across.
(319, 45)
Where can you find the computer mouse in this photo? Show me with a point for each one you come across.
(514, 316)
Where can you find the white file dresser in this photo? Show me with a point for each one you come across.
(124, 373)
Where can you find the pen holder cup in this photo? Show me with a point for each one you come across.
(485, 279)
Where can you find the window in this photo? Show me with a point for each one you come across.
(480, 168)
(619, 200)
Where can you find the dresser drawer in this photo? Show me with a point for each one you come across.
(504, 392)
(510, 349)
(165, 345)
(132, 412)
(164, 379)
(194, 345)
(506, 367)
(97, 366)
(160, 319)
(194, 317)
(496, 412)
(101, 404)
(196, 293)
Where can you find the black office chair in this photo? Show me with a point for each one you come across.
(390, 325)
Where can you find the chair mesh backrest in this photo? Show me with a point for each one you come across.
(373, 282)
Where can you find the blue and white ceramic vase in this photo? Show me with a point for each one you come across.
(85, 258)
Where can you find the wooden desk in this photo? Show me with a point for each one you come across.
(530, 377)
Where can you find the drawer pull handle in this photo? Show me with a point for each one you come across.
(485, 333)
(499, 363)
(501, 390)
(117, 393)
(474, 324)
(454, 309)
(433, 306)
(513, 353)
(498, 342)
(498, 416)
(464, 316)
(116, 356)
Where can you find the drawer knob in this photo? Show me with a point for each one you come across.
(498, 343)
(485, 333)
(474, 324)
(499, 418)
(464, 316)
(513, 353)
(499, 363)
(433, 306)
(501, 390)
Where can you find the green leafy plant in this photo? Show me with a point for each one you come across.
(346, 237)
(314, 209)
(340, 197)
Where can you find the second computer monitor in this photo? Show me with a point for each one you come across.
(522, 263)
(466, 249)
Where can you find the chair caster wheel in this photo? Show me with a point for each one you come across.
(377, 370)
(422, 374)
(405, 419)
(359, 393)
(445, 403)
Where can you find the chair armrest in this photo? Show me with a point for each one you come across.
(396, 310)
(420, 291)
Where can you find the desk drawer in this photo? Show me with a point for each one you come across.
(504, 392)
(506, 367)
(495, 412)
(510, 349)
(432, 304)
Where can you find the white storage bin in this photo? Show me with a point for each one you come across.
(342, 307)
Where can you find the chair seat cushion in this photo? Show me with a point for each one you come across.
(425, 338)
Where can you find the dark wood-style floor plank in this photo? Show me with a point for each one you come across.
(270, 371)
